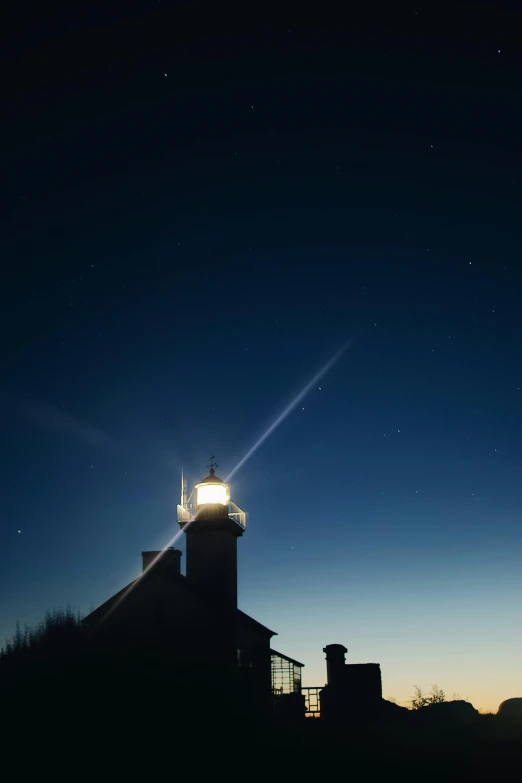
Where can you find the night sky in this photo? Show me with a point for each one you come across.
(199, 209)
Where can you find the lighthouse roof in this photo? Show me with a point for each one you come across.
(211, 478)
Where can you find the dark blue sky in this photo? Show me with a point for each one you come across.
(198, 212)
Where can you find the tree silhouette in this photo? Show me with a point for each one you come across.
(57, 630)
(435, 696)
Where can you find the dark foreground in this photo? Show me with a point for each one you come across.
(157, 738)
(87, 716)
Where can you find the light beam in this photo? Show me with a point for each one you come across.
(275, 424)
(289, 408)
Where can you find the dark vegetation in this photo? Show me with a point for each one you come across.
(420, 699)
(87, 701)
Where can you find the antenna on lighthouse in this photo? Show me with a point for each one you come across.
(185, 511)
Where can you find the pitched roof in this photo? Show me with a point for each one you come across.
(245, 619)
(181, 583)
(286, 658)
(96, 616)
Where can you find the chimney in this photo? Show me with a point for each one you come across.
(335, 664)
(165, 558)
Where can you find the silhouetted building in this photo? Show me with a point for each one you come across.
(188, 629)
(353, 691)
(189, 635)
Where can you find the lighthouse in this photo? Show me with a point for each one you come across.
(212, 525)
(191, 624)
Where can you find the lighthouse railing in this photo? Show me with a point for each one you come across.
(237, 514)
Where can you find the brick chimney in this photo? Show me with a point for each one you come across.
(335, 664)
(165, 558)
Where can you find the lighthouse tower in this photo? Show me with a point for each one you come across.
(212, 526)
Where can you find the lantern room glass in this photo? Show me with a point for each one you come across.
(212, 494)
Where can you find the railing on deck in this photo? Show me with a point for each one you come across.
(237, 514)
